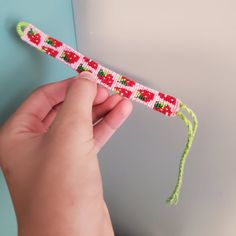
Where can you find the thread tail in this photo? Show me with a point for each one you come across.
(192, 128)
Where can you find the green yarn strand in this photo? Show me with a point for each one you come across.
(173, 199)
(192, 114)
(19, 27)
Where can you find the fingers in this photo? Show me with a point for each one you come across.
(48, 120)
(101, 110)
(111, 122)
(75, 115)
(29, 116)
(38, 110)
(102, 95)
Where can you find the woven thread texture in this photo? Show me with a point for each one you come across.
(158, 101)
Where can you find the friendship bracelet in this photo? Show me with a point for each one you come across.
(155, 100)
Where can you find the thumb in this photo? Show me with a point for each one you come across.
(75, 115)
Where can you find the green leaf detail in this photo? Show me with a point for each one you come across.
(101, 73)
(63, 56)
(122, 81)
(49, 42)
(159, 105)
(31, 32)
(81, 68)
(139, 96)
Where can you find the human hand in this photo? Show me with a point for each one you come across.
(48, 154)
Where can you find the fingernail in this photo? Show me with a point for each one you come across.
(87, 75)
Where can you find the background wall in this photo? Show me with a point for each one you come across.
(22, 68)
(185, 48)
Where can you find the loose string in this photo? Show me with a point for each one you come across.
(173, 199)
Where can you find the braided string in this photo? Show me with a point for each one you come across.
(173, 199)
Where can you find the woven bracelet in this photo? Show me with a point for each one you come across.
(155, 100)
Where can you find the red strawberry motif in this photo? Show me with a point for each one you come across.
(50, 51)
(145, 95)
(91, 63)
(86, 59)
(34, 37)
(105, 78)
(69, 56)
(123, 92)
(167, 98)
(81, 68)
(127, 82)
(53, 42)
(164, 109)
(109, 76)
(101, 74)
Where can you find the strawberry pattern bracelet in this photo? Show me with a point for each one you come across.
(155, 100)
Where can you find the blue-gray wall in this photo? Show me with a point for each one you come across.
(22, 68)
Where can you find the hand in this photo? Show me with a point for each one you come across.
(48, 154)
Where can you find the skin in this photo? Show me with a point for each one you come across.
(48, 154)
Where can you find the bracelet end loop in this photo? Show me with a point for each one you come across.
(20, 27)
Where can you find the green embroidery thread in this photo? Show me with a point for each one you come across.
(19, 27)
(173, 199)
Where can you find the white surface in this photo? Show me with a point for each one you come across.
(187, 49)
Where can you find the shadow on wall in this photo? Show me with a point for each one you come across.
(125, 232)
(121, 232)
